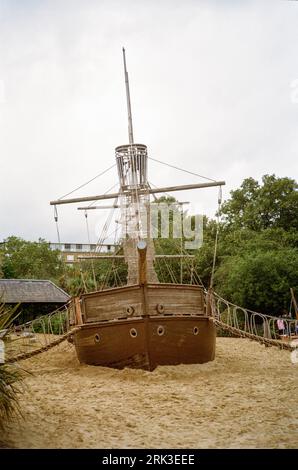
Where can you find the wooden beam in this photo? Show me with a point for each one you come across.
(101, 257)
(174, 256)
(185, 187)
(122, 257)
(88, 208)
(85, 199)
(166, 189)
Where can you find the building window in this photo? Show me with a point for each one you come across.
(70, 257)
(92, 247)
(109, 247)
(79, 247)
(67, 246)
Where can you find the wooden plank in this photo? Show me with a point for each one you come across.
(86, 257)
(113, 303)
(112, 344)
(185, 340)
(108, 305)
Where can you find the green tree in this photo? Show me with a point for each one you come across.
(30, 260)
(204, 255)
(257, 207)
(259, 279)
(257, 258)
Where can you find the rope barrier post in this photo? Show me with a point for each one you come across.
(78, 311)
(208, 304)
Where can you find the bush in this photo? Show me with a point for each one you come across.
(10, 378)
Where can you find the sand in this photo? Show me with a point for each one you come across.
(246, 398)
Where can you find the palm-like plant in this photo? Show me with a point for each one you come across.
(10, 376)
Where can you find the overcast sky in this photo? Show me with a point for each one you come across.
(214, 88)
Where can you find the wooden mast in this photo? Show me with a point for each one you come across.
(134, 196)
(130, 128)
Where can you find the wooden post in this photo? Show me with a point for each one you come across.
(294, 302)
(208, 303)
(79, 320)
(142, 250)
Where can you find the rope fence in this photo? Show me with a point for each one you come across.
(242, 322)
(38, 335)
(45, 332)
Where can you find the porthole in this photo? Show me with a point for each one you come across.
(96, 338)
(160, 308)
(195, 330)
(133, 333)
(160, 330)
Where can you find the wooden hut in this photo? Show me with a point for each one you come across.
(36, 297)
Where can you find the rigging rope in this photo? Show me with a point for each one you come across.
(92, 263)
(106, 226)
(58, 236)
(106, 192)
(87, 182)
(166, 194)
(216, 237)
(181, 169)
(189, 263)
(56, 222)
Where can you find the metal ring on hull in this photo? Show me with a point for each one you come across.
(160, 330)
(133, 333)
(160, 308)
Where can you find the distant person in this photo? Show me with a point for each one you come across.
(281, 326)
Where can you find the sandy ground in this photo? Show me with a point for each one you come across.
(246, 398)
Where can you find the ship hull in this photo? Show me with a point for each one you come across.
(144, 327)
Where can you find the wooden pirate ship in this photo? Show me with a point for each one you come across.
(145, 323)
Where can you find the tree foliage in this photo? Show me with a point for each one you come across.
(23, 259)
(258, 207)
(260, 279)
(257, 260)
